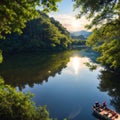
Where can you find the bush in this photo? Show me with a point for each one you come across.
(18, 106)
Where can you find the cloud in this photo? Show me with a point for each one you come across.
(66, 25)
(70, 22)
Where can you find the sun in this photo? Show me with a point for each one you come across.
(76, 23)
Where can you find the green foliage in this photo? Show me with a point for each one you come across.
(59, 26)
(40, 33)
(101, 11)
(18, 106)
(106, 41)
(49, 5)
(14, 14)
(91, 66)
(78, 42)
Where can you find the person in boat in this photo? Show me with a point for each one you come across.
(97, 105)
(104, 105)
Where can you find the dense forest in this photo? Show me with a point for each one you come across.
(41, 33)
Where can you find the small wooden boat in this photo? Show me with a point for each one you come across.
(105, 113)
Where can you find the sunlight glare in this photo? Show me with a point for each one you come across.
(76, 23)
(76, 64)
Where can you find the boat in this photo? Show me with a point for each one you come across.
(105, 113)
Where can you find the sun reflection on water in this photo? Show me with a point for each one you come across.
(77, 63)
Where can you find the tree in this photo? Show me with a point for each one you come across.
(18, 106)
(105, 39)
(101, 11)
(14, 14)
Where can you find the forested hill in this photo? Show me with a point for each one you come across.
(42, 33)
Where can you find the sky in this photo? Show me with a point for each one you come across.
(66, 17)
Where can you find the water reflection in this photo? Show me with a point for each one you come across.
(110, 82)
(77, 63)
(21, 70)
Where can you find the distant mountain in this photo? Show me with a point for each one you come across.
(80, 37)
(82, 32)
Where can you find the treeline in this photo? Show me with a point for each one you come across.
(80, 37)
(42, 33)
(78, 42)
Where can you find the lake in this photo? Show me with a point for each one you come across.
(63, 82)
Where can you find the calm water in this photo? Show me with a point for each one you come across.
(63, 82)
